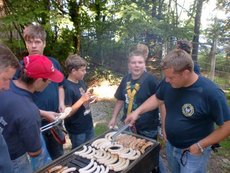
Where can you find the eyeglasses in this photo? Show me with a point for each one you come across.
(183, 158)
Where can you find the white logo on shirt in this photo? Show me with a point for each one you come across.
(188, 110)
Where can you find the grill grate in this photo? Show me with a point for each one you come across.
(144, 164)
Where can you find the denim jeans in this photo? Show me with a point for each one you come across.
(22, 164)
(42, 159)
(185, 162)
(78, 139)
(54, 148)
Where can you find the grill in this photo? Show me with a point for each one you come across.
(144, 164)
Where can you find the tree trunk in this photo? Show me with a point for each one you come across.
(195, 41)
(213, 59)
(74, 12)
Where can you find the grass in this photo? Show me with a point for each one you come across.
(225, 148)
(100, 128)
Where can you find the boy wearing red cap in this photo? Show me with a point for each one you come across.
(21, 115)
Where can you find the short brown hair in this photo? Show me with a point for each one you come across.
(184, 45)
(33, 31)
(7, 58)
(74, 62)
(141, 48)
(179, 60)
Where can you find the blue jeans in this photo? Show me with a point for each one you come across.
(78, 139)
(22, 164)
(185, 162)
(42, 159)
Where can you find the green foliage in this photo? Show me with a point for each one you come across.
(222, 69)
(228, 95)
(97, 74)
(61, 47)
(225, 148)
(103, 30)
(100, 128)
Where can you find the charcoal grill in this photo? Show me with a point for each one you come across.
(144, 164)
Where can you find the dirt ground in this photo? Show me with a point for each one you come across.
(102, 111)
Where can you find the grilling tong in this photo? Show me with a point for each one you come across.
(59, 119)
(123, 128)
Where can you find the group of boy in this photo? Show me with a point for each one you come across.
(188, 108)
(37, 93)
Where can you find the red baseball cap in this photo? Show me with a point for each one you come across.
(39, 66)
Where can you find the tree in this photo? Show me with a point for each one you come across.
(195, 41)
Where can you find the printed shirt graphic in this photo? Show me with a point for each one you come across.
(188, 110)
(127, 98)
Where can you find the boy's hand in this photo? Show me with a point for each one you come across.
(112, 123)
(89, 90)
(85, 97)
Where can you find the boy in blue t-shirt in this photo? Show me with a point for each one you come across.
(80, 124)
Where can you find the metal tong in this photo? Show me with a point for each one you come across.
(51, 125)
(59, 119)
(113, 137)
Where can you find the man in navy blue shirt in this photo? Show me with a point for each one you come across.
(193, 104)
(8, 65)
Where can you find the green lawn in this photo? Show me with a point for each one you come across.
(225, 148)
(100, 129)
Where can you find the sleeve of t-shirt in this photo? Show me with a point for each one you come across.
(118, 94)
(161, 90)
(153, 84)
(219, 108)
(69, 95)
(29, 133)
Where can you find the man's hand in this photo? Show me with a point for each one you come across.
(49, 115)
(194, 149)
(131, 118)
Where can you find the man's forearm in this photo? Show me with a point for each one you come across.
(216, 136)
(150, 104)
(61, 93)
(117, 108)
